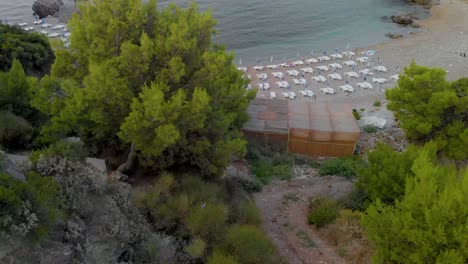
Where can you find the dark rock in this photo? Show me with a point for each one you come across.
(402, 19)
(393, 36)
(44, 8)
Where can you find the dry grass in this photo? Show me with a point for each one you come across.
(347, 235)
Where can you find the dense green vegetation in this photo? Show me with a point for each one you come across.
(17, 117)
(345, 167)
(193, 208)
(29, 208)
(153, 83)
(429, 107)
(430, 222)
(323, 212)
(31, 49)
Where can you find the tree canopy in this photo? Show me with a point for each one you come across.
(429, 224)
(386, 173)
(16, 91)
(428, 107)
(138, 76)
(31, 49)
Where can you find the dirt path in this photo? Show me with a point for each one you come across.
(284, 208)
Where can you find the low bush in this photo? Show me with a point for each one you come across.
(264, 169)
(245, 213)
(323, 212)
(345, 167)
(377, 103)
(208, 222)
(369, 129)
(356, 114)
(71, 150)
(357, 200)
(28, 207)
(219, 258)
(15, 131)
(249, 245)
(196, 248)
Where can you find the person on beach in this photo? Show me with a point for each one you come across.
(365, 78)
(315, 97)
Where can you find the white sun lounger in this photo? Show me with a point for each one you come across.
(293, 73)
(272, 95)
(307, 70)
(395, 77)
(336, 56)
(292, 95)
(298, 63)
(379, 80)
(311, 61)
(366, 72)
(335, 76)
(335, 66)
(277, 74)
(347, 87)
(322, 68)
(381, 68)
(259, 68)
(350, 63)
(327, 90)
(243, 69)
(319, 78)
(286, 95)
(272, 66)
(262, 76)
(352, 74)
(323, 58)
(365, 85)
(309, 93)
(362, 59)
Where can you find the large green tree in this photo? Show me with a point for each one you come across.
(429, 224)
(386, 172)
(16, 91)
(428, 107)
(149, 81)
(31, 49)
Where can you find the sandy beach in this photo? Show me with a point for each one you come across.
(443, 36)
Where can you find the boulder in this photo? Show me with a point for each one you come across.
(402, 19)
(393, 36)
(415, 25)
(44, 8)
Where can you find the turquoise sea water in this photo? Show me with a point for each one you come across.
(284, 28)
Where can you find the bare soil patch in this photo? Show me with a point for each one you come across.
(284, 206)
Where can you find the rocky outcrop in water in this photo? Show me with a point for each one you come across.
(44, 8)
(402, 19)
(393, 36)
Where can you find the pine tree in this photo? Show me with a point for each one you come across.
(147, 80)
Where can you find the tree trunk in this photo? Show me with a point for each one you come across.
(128, 164)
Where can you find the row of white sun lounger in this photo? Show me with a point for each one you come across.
(321, 68)
(323, 79)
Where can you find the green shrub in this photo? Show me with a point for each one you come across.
(356, 114)
(377, 103)
(357, 200)
(265, 169)
(71, 150)
(208, 222)
(369, 129)
(245, 213)
(38, 196)
(15, 131)
(249, 245)
(323, 212)
(345, 167)
(219, 258)
(31, 49)
(196, 248)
